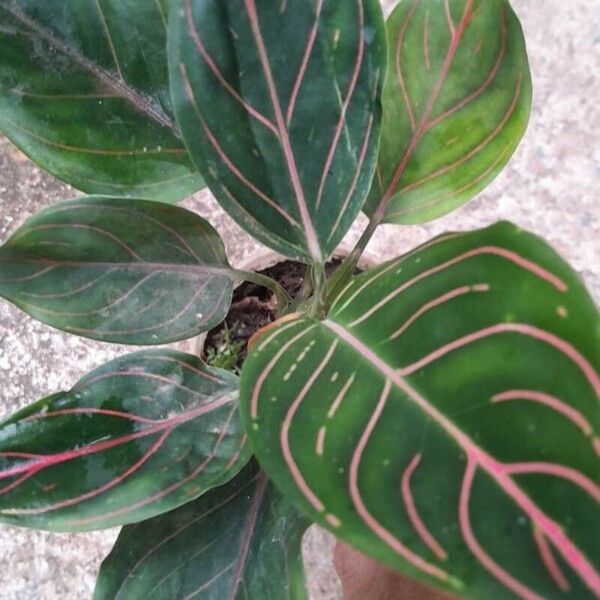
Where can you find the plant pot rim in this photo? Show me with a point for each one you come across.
(260, 260)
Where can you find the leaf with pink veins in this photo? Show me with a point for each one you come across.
(135, 438)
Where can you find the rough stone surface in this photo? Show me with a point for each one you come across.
(549, 187)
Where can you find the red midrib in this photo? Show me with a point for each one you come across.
(312, 241)
(55, 459)
(422, 128)
(499, 472)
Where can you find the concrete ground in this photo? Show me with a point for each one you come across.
(550, 187)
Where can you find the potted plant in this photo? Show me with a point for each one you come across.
(438, 412)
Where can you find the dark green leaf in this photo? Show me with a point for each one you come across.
(84, 91)
(240, 541)
(135, 438)
(444, 418)
(119, 270)
(279, 103)
(456, 104)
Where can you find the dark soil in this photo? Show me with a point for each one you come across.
(254, 306)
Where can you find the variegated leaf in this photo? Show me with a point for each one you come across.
(444, 418)
(84, 91)
(135, 438)
(279, 103)
(456, 104)
(119, 270)
(240, 541)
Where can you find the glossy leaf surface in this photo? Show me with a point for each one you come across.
(240, 541)
(84, 91)
(135, 438)
(118, 270)
(279, 103)
(444, 418)
(456, 104)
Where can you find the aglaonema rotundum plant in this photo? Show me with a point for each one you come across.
(438, 412)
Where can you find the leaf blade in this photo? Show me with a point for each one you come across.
(247, 521)
(126, 141)
(80, 266)
(447, 338)
(135, 438)
(466, 64)
(227, 75)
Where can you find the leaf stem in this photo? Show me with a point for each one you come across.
(318, 303)
(343, 273)
(283, 298)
